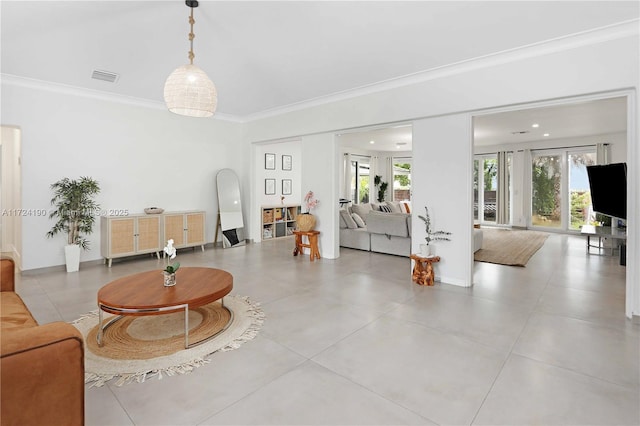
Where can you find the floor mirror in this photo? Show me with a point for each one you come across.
(230, 218)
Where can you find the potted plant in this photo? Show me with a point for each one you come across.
(306, 221)
(170, 270)
(377, 181)
(75, 212)
(427, 249)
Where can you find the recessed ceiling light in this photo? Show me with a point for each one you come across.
(545, 135)
(535, 125)
(372, 142)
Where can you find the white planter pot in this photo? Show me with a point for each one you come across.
(72, 256)
(427, 250)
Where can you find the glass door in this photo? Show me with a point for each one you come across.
(580, 210)
(560, 196)
(401, 178)
(485, 188)
(546, 187)
(360, 179)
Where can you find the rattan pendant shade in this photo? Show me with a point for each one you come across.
(188, 91)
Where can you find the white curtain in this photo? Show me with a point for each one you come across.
(502, 197)
(603, 153)
(346, 187)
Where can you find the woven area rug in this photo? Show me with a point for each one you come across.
(509, 247)
(136, 348)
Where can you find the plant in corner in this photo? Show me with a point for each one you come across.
(427, 249)
(377, 182)
(75, 211)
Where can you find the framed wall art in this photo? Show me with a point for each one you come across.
(286, 162)
(269, 186)
(286, 186)
(270, 161)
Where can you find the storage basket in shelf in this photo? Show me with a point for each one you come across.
(267, 216)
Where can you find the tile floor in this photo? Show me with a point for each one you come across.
(354, 341)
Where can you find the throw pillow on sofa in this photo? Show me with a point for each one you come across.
(385, 208)
(361, 210)
(351, 224)
(358, 220)
(395, 206)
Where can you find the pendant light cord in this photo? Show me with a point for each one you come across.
(191, 37)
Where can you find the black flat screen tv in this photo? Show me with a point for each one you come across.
(608, 184)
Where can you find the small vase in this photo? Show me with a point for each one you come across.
(306, 222)
(427, 250)
(169, 279)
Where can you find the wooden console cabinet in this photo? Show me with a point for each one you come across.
(185, 228)
(131, 235)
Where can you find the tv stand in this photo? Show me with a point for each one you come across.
(617, 235)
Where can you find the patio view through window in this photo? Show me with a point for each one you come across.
(560, 196)
(402, 178)
(360, 179)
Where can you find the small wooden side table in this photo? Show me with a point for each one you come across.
(312, 236)
(423, 269)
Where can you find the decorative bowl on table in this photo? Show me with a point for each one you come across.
(153, 210)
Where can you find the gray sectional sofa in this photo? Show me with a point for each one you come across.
(383, 232)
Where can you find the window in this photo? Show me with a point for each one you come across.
(402, 178)
(491, 203)
(560, 196)
(360, 179)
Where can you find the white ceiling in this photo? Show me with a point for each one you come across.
(559, 121)
(265, 55)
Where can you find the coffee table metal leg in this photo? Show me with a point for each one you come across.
(99, 336)
(186, 327)
(187, 345)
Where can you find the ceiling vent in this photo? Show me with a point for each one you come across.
(520, 132)
(109, 76)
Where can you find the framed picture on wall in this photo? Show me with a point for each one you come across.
(286, 162)
(270, 161)
(269, 186)
(286, 186)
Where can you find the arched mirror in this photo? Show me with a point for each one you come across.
(229, 209)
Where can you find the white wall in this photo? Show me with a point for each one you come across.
(291, 148)
(141, 157)
(320, 174)
(442, 145)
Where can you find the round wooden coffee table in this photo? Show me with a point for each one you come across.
(145, 294)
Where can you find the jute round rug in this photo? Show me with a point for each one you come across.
(136, 348)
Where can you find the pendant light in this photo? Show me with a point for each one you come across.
(188, 91)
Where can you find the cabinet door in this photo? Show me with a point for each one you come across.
(195, 228)
(122, 236)
(149, 234)
(174, 229)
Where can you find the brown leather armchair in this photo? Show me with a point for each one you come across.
(41, 366)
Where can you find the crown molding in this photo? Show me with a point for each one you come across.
(30, 83)
(620, 30)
